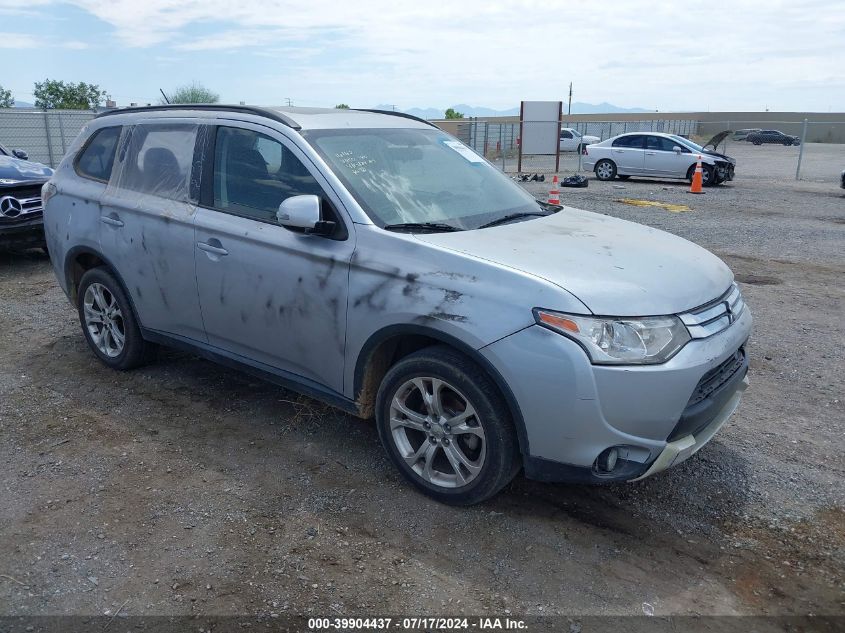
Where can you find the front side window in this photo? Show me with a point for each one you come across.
(565, 134)
(254, 173)
(97, 158)
(660, 143)
(419, 176)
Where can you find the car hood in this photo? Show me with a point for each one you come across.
(614, 267)
(12, 168)
(714, 142)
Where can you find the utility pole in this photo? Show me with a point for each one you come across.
(289, 101)
(569, 109)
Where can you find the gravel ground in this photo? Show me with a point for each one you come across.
(187, 488)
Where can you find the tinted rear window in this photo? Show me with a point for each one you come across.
(634, 141)
(97, 159)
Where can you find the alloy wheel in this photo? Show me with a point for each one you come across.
(104, 320)
(437, 431)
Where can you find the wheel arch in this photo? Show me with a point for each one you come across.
(390, 344)
(81, 259)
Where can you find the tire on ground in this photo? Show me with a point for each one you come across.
(502, 459)
(136, 351)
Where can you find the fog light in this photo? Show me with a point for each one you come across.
(606, 462)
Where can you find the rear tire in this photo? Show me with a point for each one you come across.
(446, 427)
(605, 169)
(109, 323)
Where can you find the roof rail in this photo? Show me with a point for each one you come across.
(395, 113)
(213, 107)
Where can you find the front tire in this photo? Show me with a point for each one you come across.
(446, 427)
(605, 169)
(109, 323)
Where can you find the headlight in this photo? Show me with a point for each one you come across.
(619, 340)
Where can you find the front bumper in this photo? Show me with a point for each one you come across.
(26, 233)
(573, 410)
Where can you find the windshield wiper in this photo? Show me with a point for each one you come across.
(513, 216)
(434, 227)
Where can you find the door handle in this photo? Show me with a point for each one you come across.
(111, 221)
(651, 153)
(211, 248)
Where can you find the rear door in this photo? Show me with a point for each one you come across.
(568, 141)
(147, 221)
(270, 295)
(627, 152)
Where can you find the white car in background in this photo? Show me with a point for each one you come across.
(658, 155)
(573, 141)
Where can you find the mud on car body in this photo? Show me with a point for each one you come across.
(20, 199)
(372, 261)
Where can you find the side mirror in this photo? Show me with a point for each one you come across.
(676, 149)
(19, 153)
(303, 212)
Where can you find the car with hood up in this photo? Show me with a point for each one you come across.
(375, 262)
(20, 199)
(658, 155)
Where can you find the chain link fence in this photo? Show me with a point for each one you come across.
(43, 134)
(815, 152)
(811, 150)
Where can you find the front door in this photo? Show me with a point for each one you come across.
(270, 295)
(662, 160)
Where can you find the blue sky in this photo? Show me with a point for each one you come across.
(745, 55)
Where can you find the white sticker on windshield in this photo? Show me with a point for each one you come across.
(464, 151)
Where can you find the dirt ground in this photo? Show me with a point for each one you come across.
(187, 488)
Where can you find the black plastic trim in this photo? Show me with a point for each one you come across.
(698, 416)
(391, 331)
(394, 113)
(541, 469)
(262, 112)
(276, 376)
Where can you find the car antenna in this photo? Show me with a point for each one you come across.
(166, 100)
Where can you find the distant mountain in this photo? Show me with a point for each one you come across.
(23, 104)
(471, 111)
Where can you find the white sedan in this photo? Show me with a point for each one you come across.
(572, 141)
(657, 155)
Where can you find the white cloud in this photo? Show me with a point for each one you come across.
(639, 52)
(18, 40)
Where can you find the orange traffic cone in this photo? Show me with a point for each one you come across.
(554, 192)
(696, 178)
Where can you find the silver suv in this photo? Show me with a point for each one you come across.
(374, 262)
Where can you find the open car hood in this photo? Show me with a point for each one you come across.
(714, 142)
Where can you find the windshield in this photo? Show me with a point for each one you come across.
(693, 146)
(401, 176)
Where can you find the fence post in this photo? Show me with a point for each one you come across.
(49, 139)
(502, 148)
(801, 151)
(62, 134)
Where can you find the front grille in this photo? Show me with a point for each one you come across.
(20, 204)
(716, 315)
(711, 394)
(716, 377)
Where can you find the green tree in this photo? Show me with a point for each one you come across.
(342, 106)
(194, 92)
(451, 113)
(6, 100)
(51, 94)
